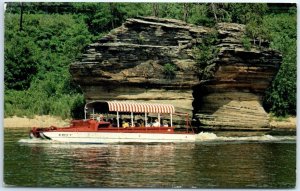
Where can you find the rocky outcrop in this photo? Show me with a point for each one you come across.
(233, 98)
(151, 59)
(130, 63)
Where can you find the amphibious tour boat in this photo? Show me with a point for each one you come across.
(121, 121)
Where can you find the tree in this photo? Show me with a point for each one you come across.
(186, 10)
(205, 55)
(20, 61)
(245, 12)
(214, 11)
(37, 80)
(199, 15)
(155, 9)
(281, 96)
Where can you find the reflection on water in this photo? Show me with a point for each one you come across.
(212, 162)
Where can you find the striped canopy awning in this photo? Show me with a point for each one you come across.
(136, 107)
(140, 107)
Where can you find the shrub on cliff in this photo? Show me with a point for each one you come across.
(205, 55)
(169, 70)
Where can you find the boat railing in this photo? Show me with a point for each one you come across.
(98, 109)
(188, 125)
(104, 123)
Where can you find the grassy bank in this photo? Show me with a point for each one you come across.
(283, 123)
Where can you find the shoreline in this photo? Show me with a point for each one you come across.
(36, 121)
(288, 124)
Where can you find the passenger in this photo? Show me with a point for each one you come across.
(140, 123)
(114, 122)
(99, 117)
(125, 124)
(166, 124)
(148, 123)
(156, 123)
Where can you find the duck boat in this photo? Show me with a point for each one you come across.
(121, 121)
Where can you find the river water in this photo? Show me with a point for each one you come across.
(262, 161)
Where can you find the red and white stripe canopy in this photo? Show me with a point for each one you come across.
(123, 106)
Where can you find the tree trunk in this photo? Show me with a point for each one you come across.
(185, 11)
(112, 12)
(155, 9)
(214, 11)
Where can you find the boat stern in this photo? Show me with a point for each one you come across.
(39, 132)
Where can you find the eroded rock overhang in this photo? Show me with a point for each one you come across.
(130, 64)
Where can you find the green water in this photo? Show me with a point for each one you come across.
(226, 162)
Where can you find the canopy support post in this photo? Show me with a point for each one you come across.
(146, 120)
(158, 117)
(93, 114)
(132, 119)
(118, 123)
(171, 118)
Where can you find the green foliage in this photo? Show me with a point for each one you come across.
(21, 62)
(172, 10)
(254, 20)
(246, 43)
(37, 58)
(169, 71)
(208, 14)
(52, 96)
(198, 15)
(30, 103)
(47, 43)
(77, 111)
(205, 55)
(281, 96)
(141, 38)
(247, 12)
(280, 118)
(106, 16)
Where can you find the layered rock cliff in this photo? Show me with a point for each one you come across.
(233, 98)
(151, 59)
(129, 63)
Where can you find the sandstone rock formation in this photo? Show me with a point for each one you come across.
(131, 63)
(128, 63)
(233, 99)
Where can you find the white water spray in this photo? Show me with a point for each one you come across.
(211, 137)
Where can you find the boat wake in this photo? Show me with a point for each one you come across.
(56, 144)
(203, 137)
(36, 141)
(211, 137)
